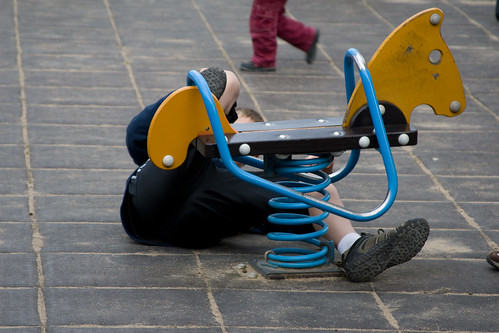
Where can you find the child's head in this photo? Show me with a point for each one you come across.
(247, 115)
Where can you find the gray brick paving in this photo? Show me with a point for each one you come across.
(73, 73)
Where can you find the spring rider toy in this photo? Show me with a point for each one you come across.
(413, 66)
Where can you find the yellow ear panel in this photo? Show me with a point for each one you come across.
(414, 66)
(180, 119)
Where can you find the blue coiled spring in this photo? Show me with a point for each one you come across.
(301, 172)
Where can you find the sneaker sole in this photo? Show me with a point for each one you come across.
(216, 80)
(400, 247)
(258, 69)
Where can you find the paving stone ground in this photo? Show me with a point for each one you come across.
(73, 73)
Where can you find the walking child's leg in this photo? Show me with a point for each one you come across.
(296, 33)
(263, 31)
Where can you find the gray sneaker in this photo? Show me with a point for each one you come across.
(370, 255)
(215, 78)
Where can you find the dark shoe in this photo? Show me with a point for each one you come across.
(370, 255)
(215, 78)
(493, 259)
(310, 56)
(251, 67)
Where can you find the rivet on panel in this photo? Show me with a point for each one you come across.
(403, 139)
(364, 142)
(435, 19)
(455, 107)
(244, 149)
(168, 161)
(382, 109)
(435, 57)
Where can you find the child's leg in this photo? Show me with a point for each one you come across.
(341, 231)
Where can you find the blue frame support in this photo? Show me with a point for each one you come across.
(352, 57)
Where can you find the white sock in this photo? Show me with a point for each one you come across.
(347, 241)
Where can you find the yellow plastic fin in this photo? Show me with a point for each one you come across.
(414, 66)
(180, 119)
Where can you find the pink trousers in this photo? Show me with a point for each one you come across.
(267, 22)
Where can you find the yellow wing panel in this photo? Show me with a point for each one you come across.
(414, 66)
(180, 119)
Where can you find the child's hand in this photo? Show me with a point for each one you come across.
(328, 169)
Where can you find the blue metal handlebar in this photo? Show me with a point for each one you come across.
(351, 56)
